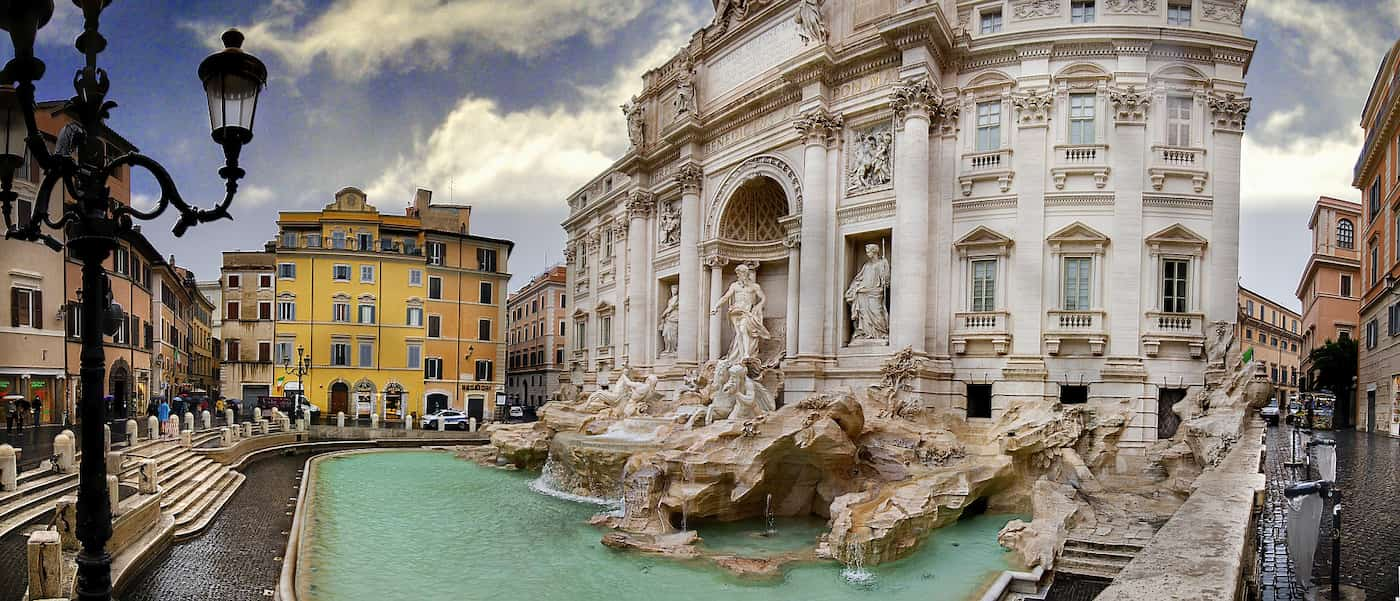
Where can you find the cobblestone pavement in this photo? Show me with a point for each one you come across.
(239, 556)
(1276, 576)
(14, 563)
(1074, 588)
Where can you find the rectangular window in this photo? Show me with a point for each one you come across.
(984, 286)
(1179, 14)
(366, 313)
(486, 259)
(364, 241)
(414, 317)
(605, 331)
(483, 329)
(1081, 11)
(1346, 286)
(340, 273)
(264, 309)
(434, 326)
(415, 356)
(286, 311)
(432, 369)
(436, 252)
(231, 350)
(988, 126)
(340, 312)
(264, 280)
(1179, 121)
(979, 400)
(1372, 333)
(75, 321)
(340, 353)
(486, 293)
(1074, 395)
(580, 334)
(991, 21)
(313, 241)
(338, 240)
(234, 280)
(264, 351)
(434, 287)
(415, 277)
(1081, 118)
(1174, 273)
(120, 261)
(1248, 334)
(366, 354)
(1077, 276)
(1375, 263)
(1374, 199)
(367, 274)
(289, 239)
(284, 352)
(26, 308)
(287, 271)
(485, 371)
(563, 301)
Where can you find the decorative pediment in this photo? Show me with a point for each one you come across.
(366, 298)
(351, 199)
(580, 314)
(341, 296)
(1077, 237)
(1179, 72)
(983, 240)
(286, 295)
(605, 308)
(1177, 238)
(1082, 71)
(990, 81)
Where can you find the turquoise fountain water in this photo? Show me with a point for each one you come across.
(426, 526)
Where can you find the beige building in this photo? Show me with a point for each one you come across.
(1377, 175)
(1274, 332)
(536, 337)
(1330, 286)
(246, 325)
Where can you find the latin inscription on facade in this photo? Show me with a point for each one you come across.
(746, 131)
(749, 59)
(866, 83)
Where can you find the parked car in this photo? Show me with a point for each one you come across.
(517, 411)
(1270, 414)
(451, 418)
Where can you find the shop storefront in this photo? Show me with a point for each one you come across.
(43, 394)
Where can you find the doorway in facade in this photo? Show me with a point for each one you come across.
(1167, 420)
(437, 401)
(1371, 410)
(476, 407)
(340, 398)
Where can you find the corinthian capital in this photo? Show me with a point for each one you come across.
(818, 126)
(1130, 104)
(1228, 111)
(640, 204)
(913, 98)
(1034, 106)
(689, 176)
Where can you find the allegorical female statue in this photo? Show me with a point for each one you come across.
(746, 300)
(671, 322)
(866, 296)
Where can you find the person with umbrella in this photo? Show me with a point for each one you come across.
(163, 414)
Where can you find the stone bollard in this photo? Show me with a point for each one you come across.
(152, 428)
(301, 425)
(63, 447)
(340, 419)
(66, 519)
(187, 439)
(45, 565)
(266, 426)
(173, 425)
(374, 420)
(228, 417)
(225, 437)
(130, 433)
(407, 423)
(471, 424)
(247, 430)
(207, 419)
(9, 471)
(114, 462)
(149, 474)
(114, 494)
(189, 421)
(106, 438)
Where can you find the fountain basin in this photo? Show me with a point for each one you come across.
(427, 526)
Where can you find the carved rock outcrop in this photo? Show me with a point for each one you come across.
(525, 446)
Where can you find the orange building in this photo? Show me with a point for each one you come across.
(537, 338)
(1378, 377)
(1331, 280)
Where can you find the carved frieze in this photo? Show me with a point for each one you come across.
(1130, 104)
(1035, 9)
(1034, 106)
(1223, 11)
(1132, 7)
(669, 221)
(1228, 111)
(870, 159)
(818, 126)
(570, 254)
(640, 204)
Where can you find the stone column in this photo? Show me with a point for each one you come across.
(114, 462)
(148, 476)
(45, 565)
(639, 208)
(912, 103)
(794, 293)
(206, 418)
(152, 428)
(188, 423)
(1125, 306)
(716, 268)
(1227, 113)
(1026, 300)
(816, 129)
(689, 177)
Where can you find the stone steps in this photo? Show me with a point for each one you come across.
(196, 517)
(1094, 558)
(175, 491)
(1088, 567)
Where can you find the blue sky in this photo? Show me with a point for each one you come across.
(509, 105)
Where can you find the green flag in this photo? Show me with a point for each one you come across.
(1247, 356)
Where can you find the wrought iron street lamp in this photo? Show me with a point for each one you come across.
(93, 221)
(300, 369)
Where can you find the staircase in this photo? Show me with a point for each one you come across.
(1095, 558)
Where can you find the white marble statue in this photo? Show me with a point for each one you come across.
(640, 397)
(810, 26)
(684, 100)
(671, 322)
(870, 164)
(866, 296)
(670, 221)
(746, 300)
(605, 400)
(635, 123)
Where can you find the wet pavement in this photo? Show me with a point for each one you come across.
(36, 443)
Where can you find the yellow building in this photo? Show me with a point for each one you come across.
(376, 300)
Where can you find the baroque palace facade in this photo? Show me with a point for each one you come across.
(1038, 197)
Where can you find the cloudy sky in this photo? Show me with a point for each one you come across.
(509, 105)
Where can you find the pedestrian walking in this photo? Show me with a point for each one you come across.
(10, 409)
(38, 407)
(22, 414)
(163, 414)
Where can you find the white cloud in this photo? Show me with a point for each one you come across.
(1297, 172)
(484, 154)
(142, 201)
(63, 28)
(253, 196)
(360, 37)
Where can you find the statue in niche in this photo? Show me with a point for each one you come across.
(870, 166)
(866, 296)
(810, 26)
(635, 123)
(746, 300)
(684, 101)
(670, 221)
(671, 322)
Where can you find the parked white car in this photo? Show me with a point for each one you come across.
(451, 418)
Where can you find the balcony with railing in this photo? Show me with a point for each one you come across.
(1080, 159)
(1088, 326)
(990, 165)
(978, 332)
(1185, 329)
(1178, 161)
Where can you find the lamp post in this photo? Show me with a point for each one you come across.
(300, 369)
(93, 221)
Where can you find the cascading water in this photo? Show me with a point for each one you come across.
(768, 516)
(558, 481)
(855, 572)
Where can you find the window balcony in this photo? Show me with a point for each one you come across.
(1086, 326)
(978, 328)
(993, 165)
(1080, 159)
(1176, 161)
(1186, 329)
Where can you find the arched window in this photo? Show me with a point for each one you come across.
(1346, 234)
